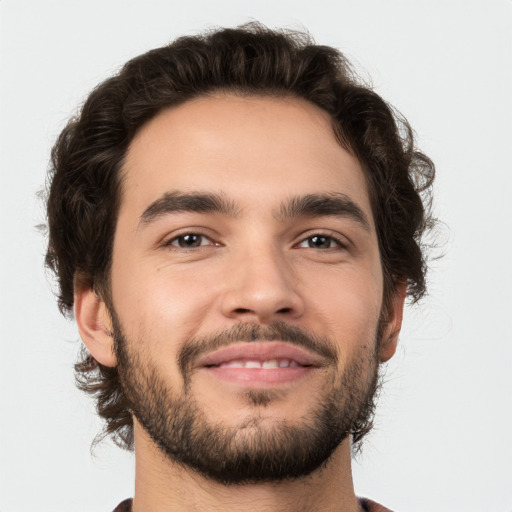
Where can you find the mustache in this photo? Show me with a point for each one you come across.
(250, 332)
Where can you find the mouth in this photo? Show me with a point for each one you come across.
(260, 364)
(269, 364)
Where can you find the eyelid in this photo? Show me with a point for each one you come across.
(341, 240)
(172, 241)
(168, 240)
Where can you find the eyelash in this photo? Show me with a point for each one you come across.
(171, 242)
(339, 243)
(175, 241)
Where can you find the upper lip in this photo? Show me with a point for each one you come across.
(260, 351)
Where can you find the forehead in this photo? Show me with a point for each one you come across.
(253, 149)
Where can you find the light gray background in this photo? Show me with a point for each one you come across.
(443, 436)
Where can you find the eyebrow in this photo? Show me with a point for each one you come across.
(172, 202)
(310, 205)
(323, 205)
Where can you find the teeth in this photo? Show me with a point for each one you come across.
(269, 365)
(233, 364)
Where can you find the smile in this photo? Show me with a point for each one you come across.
(269, 364)
(260, 364)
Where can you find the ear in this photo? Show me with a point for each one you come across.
(394, 323)
(94, 325)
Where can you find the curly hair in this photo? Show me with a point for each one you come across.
(84, 178)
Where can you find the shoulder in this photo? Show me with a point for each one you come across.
(124, 506)
(371, 506)
(366, 504)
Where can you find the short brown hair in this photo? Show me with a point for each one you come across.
(84, 192)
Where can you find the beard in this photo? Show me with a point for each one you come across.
(251, 451)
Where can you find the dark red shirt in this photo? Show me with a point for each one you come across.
(368, 506)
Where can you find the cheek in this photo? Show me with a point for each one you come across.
(347, 302)
(160, 305)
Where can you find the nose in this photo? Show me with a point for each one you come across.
(261, 287)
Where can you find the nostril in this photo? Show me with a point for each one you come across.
(242, 310)
(245, 310)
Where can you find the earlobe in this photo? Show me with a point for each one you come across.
(95, 325)
(393, 326)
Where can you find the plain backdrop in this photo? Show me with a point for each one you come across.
(442, 440)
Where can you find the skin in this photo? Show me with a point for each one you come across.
(255, 267)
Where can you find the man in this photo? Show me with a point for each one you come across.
(236, 222)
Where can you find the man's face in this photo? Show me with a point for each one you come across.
(246, 286)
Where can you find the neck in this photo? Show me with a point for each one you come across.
(164, 486)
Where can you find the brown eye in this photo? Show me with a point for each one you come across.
(190, 241)
(320, 242)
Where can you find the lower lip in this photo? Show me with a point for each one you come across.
(260, 377)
